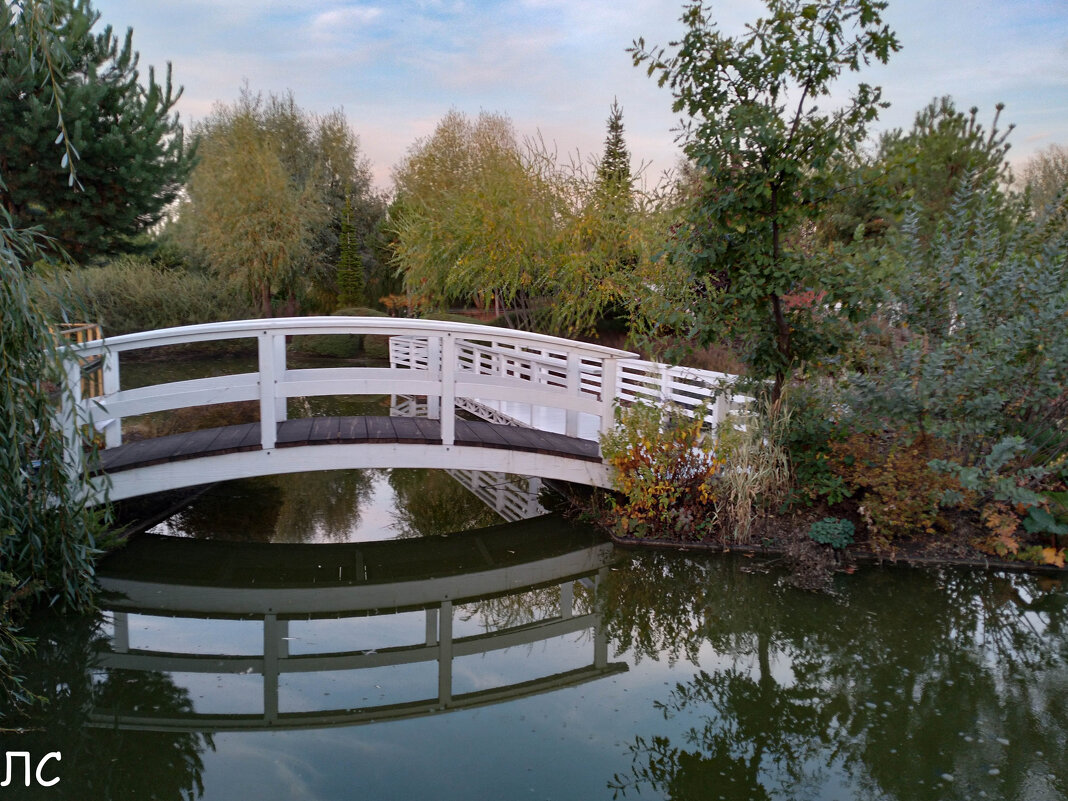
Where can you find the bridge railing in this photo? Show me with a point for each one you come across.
(633, 380)
(449, 360)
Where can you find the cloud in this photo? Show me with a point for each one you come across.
(555, 65)
(339, 23)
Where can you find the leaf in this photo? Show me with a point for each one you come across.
(1053, 556)
(1039, 521)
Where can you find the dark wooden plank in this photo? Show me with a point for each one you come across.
(380, 429)
(325, 429)
(124, 456)
(553, 442)
(520, 438)
(233, 438)
(407, 430)
(353, 429)
(294, 432)
(430, 429)
(251, 439)
(462, 432)
(480, 433)
(195, 443)
(159, 449)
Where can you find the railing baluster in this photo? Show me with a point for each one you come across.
(280, 411)
(73, 454)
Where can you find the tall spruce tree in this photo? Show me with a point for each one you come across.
(350, 278)
(614, 179)
(132, 158)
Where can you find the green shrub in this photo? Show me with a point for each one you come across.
(333, 346)
(131, 294)
(359, 311)
(833, 531)
(664, 468)
(342, 346)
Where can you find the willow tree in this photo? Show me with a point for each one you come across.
(758, 129)
(479, 213)
(472, 218)
(267, 198)
(251, 222)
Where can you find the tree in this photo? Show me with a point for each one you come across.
(613, 198)
(47, 535)
(766, 153)
(944, 153)
(473, 217)
(251, 222)
(479, 214)
(130, 147)
(614, 180)
(350, 276)
(1045, 178)
(267, 197)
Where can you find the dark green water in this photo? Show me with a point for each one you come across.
(676, 677)
(384, 635)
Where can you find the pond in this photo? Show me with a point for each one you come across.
(420, 634)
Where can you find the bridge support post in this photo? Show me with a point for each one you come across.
(448, 389)
(574, 389)
(275, 648)
(279, 344)
(445, 655)
(120, 638)
(73, 455)
(110, 385)
(609, 369)
(600, 636)
(723, 404)
(268, 353)
(433, 364)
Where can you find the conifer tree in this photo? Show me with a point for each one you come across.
(350, 279)
(129, 146)
(613, 172)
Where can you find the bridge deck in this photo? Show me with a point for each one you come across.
(349, 430)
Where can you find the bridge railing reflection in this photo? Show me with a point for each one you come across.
(569, 580)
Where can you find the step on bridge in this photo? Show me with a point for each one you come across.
(544, 402)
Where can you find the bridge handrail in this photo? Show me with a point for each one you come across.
(299, 326)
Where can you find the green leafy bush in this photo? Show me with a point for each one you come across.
(664, 469)
(131, 294)
(834, 531)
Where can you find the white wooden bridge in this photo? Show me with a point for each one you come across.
(542, 402)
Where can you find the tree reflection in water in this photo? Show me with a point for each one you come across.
(432, 503)
(904, 683)
(109, 764)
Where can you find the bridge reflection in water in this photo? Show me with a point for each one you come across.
(539, 577)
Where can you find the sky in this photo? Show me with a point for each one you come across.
(396, 67)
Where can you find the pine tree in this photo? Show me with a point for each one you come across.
(129, 149)
(350, 279)
(613, 173)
